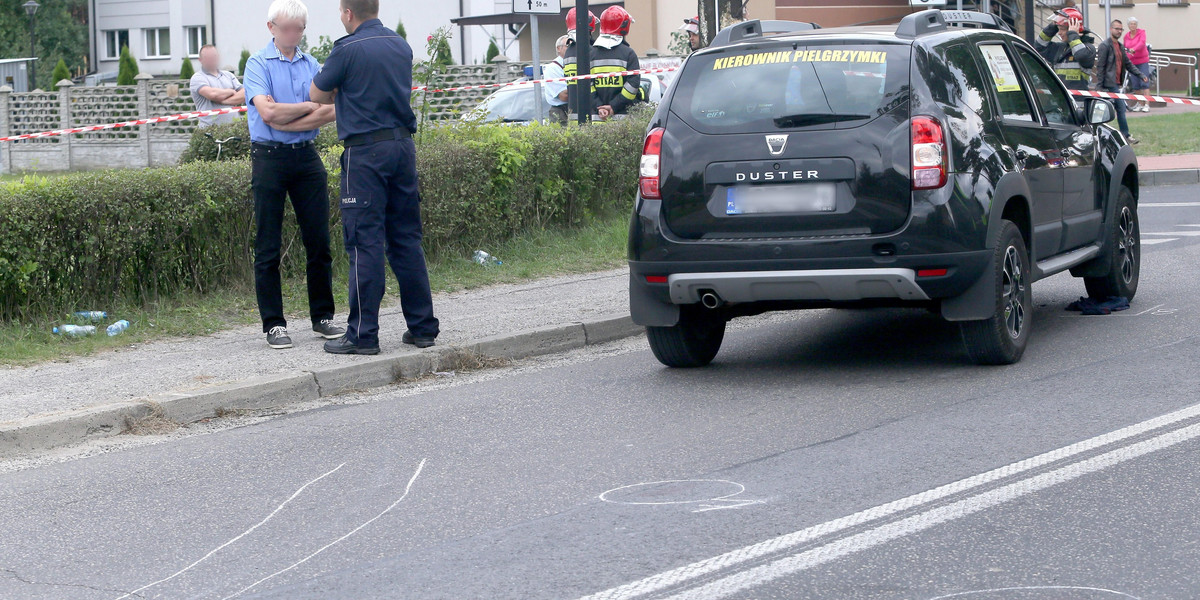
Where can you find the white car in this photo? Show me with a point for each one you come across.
(517, 104)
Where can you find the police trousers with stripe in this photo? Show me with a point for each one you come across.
(381, 219)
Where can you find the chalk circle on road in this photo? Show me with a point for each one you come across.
(1039, 592)
(673, 491)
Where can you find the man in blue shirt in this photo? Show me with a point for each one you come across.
(368, 77)
(283, 124)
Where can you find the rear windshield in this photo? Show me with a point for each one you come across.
(823, 86)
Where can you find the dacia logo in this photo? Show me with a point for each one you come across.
(776, 144)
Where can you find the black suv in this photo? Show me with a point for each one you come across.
(937, 163)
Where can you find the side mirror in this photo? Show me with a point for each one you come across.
(1101, 111)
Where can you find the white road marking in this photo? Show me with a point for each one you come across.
(238, 537)
(1036, 587)
(339, 540)
(1179, 233)
(935, 516)
(705, 567)
(1167, 204)
(1153, 242)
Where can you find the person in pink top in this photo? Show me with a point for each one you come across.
(1139, 55)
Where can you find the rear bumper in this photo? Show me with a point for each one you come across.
(657, 289)
(836, 285)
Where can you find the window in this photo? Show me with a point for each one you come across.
(961, 81)
(113, 42)
(1014, 104)
(196, 37)
(768, 88)
(1050, 96)
(158, 43)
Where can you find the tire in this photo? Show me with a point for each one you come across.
(693, 342)
(1124, 244)
(1001, 339)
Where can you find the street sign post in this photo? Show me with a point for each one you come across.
(534, 8)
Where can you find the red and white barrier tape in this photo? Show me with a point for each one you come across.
(233, 109)
(178, 117)
(1149, 98)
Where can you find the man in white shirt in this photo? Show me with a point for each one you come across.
(213, 88)
(556, 91)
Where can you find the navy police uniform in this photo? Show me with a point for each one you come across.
(371, 69)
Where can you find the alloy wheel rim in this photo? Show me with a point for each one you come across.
(1127, 243)
(1014, 293)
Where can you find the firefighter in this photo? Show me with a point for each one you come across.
(612, 93)
(691, 26)
(1063, 45)
(571, 60)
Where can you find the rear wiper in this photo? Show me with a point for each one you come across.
(802, 119)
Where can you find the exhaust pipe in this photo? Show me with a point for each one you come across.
(711, 300)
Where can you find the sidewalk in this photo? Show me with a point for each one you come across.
(180, 367)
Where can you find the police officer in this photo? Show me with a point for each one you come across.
(571, 58)
(1071, 56)
(614, 94)
(368, 78)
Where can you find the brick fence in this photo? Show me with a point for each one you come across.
(159, 144)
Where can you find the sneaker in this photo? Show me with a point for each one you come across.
(1144, 108)
(326, 329)
(345, 346)
(278, 339)
(1133, 141)
(420, 342)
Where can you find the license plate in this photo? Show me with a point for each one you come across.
(802, 198)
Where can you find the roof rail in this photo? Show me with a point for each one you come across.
(933, 20)
(757, 29)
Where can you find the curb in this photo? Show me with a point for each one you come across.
(1169, 177)
(55, 430)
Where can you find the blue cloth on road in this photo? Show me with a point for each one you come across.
(372, 71)
(268, 73)
(1099, 306)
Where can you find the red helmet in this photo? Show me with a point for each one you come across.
(1071, 13)
(571, 20)
(615, 21)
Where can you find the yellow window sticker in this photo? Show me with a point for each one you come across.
(1002, 70)
(790, 56)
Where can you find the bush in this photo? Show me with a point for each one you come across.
(400, 31)
(187, 70)
(492, 52)
(127, 67)
(203, 147)
(60, 73)
(242, 62)
(94, 238)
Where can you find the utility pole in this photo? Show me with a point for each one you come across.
(31, 8)
(583, 45)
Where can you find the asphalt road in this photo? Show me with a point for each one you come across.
(829, 454)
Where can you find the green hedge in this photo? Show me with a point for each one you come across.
(87, 239)
(203, 147)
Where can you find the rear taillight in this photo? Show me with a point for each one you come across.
(928, 154)
(650, 169)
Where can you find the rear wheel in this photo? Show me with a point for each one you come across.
(1001, 339)
(1125, 253)
(693, 342)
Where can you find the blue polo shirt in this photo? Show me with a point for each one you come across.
(372, 71)
(287, 81)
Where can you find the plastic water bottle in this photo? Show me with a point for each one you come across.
(91, 315)
(75, 330)
(486, 259)
(117, 328)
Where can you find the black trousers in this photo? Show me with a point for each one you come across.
(298, 173)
